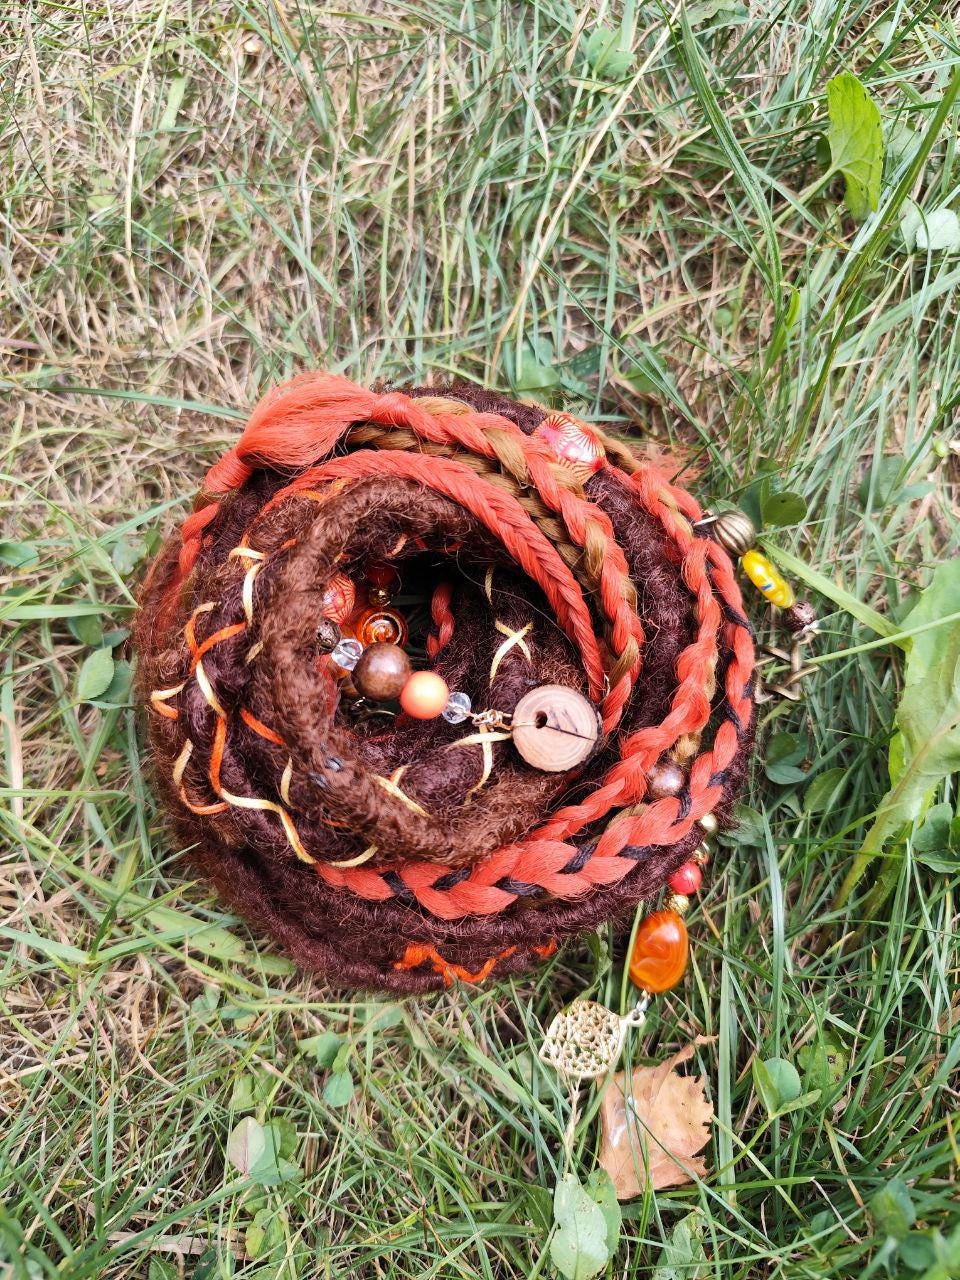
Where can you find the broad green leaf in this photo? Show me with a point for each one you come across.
(324, 1047)
(95, 675)
(117, 691)
(748, 829)
(782, 508)
(161, 1269)
(537, 377)
(273, 1164)
(127, 554)
(682, 1256)
(824, 790)
(599, 1187)
(856, 142)
(917, 1250)
(578, 1247)
(88, 631)
(18, 554)
(939, 229)
(338, 1090)
(608, 52)
(243, 1096)
(266, 1234)
(246, 1144)
(928, 717)
(777, 1081)
(825, 1062)
(934, 835)
(710, 10)
(891, 1209)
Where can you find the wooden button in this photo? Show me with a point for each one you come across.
(555, 728)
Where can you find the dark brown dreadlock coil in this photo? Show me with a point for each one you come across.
(382, 850)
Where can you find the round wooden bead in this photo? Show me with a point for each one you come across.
(801, 617)
(659, 956)
(666, 778)
(381, 626)
(382, 672)
(424, 695)
(686, 879)
(555, 728)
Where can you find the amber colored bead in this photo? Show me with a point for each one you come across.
(659, 956)
(381, 626)
(382, 672)
(425, 695)
(339, 598)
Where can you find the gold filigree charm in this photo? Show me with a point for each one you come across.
(585, 1040)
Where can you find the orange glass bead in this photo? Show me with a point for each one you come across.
(659, 956)
(381, 626)
(425, 695)
(339, 598)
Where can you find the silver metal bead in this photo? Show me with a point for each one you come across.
(735, 532)
(709, 823)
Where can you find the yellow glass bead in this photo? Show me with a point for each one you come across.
(767, 578)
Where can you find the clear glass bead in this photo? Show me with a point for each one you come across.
(347, 653)
(457, 709)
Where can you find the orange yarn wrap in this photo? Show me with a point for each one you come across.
(317, 430)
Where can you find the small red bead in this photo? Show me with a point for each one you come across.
(380, 574)
(686, 879)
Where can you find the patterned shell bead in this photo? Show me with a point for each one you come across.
(735, 532)
(768, 579)
(339, 598)
(659, 956)
(573, 443)
(381, 626)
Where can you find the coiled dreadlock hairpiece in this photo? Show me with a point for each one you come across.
(386, 850)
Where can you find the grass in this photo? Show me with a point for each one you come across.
(201, 199)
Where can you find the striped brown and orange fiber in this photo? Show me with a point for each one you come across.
(405, 854)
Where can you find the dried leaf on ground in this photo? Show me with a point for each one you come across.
(654, 1129)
